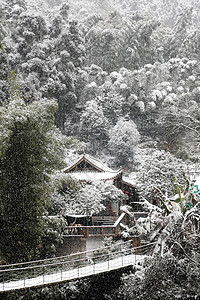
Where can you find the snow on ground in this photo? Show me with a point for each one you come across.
(80, 272)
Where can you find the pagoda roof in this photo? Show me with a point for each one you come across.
(129, 181)
(99, 170)
(94, 176)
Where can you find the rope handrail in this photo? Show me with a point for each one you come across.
(58, 263)
(60, 257)
(90, 226)
(102, 260)
(61, 263)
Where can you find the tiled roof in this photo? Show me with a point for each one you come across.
(95, 176)
(92, 161)
(129, 181)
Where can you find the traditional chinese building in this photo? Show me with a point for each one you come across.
(87, 168)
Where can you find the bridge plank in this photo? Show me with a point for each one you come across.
(80, 272)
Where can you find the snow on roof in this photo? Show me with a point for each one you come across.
(98, 164)
(94, 162)
(129, 181)
(95, 176)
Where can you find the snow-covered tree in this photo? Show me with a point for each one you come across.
(94, 125)
(4, 72)
(174, 271)
(89, 201)
(70, 198)
(179, 33)
(158, 170)
(65, 189)
(124, 138)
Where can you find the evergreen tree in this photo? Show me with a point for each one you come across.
(124, 138)
(30, 148)
(94, 125)
(179, 33)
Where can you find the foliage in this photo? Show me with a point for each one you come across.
(72, 198)
(112, 46)
(124, 137)
(165, 278)
(180, 32)
(127, 60)
(109, 192)
(88, 205)
(4, 72)
(125, 72)
(174, 274)
(64, 190)
(158, 170)
(24, 177)
(52, 237)
(93, 124)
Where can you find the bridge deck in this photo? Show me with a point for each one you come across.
(80, 272)
(73, 266)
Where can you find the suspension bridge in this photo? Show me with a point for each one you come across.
(73, 266)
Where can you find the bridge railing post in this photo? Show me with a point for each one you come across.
(3, 281)
(43, 274)
(93, 267)
(24, 278)
(79, 259)
(61, 275)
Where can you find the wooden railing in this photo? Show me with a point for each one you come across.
(77, 230)
(90, 231)
(104, 220)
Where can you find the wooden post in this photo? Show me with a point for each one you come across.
(135, 256)
(116, 230)
(101, 231)
(43, 273)
(134, 243)
(86, 232)
(24, 278)
(61, 271)
(79, 265)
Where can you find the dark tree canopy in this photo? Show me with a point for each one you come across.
(30, 149)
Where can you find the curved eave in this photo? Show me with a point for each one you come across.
(95, 176)
(130, 183)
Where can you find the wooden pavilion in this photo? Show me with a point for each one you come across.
(86, 169)
(108, 222)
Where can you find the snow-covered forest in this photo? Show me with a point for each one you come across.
(120, 80)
